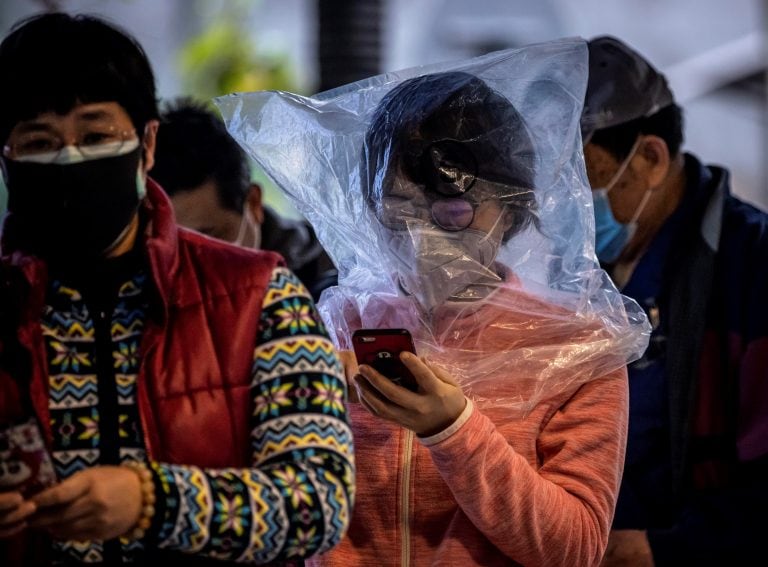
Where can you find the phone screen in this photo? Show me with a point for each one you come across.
(381, 348)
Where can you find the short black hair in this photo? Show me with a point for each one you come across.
(193, 147)
(667, 124)
(53, 61)
(455, 107)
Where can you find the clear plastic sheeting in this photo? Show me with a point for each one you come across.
(454, 201)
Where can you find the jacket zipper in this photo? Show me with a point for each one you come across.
(109, 410)
(405, 514)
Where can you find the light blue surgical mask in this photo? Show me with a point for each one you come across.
(612, 236)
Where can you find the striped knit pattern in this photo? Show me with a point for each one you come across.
(70, 341)
(296, 499)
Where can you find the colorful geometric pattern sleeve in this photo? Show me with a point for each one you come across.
(297, 499)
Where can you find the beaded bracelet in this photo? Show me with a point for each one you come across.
(147, 499)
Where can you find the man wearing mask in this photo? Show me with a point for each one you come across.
(208, 178)
(188, 398)
(674, 238)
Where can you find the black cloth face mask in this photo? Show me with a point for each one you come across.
(71, 212)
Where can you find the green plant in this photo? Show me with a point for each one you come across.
(223, 59)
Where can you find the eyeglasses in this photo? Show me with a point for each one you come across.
(440, 183)
(447, 170)
(45, 147)
(450, 214)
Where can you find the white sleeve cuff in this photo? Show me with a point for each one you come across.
(451, 429)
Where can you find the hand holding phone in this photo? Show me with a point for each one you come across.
(437, 400)
(381, 348)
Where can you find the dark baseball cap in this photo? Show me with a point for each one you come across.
(622, 86)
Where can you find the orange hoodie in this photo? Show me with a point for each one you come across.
(495, 488)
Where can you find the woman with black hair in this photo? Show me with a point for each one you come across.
(455, 205)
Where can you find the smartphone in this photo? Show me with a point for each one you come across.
(381, 348)
(25, 464)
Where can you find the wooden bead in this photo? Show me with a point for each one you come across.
(147, 499)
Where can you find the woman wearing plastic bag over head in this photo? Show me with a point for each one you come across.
(454, 201)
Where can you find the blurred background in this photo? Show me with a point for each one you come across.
(714, 52)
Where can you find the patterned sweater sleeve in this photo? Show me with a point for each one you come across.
(296, 500)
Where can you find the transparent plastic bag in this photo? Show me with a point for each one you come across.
(454, 201)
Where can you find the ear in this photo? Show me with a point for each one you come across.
(654, 153)
(254, 203)
(149, 141)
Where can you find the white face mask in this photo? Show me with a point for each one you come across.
(435, 265)
(248, 222)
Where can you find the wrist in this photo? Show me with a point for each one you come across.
(450, 428)
(147, 510)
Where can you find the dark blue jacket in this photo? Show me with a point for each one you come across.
(697, 458)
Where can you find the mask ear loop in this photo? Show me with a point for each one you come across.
(141, 184)
(623, 166)
(490, 234)
(241, 231)
(245, 222)
(641, 206)
(621, 170)
(255, 227)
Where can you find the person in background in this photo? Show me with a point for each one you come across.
(190, 400)
(207, 176)
(672, 236)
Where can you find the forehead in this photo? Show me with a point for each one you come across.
(81, 114)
